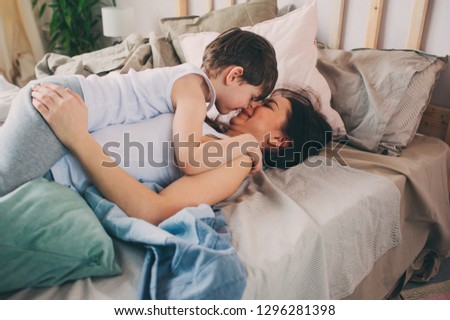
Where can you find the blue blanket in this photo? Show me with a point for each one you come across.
(189, 256)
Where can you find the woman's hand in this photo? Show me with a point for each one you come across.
(64, 111)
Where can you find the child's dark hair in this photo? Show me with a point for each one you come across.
(306, 128)
(245, 49)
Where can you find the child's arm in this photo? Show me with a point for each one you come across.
(193, 156)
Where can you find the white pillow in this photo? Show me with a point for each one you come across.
(293, 36)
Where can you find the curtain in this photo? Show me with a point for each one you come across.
(21, 44)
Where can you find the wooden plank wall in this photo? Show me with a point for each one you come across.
(183, 6)
(373, 23)
(336, 21)
(417, 24)
(415, 30)
(413, 41)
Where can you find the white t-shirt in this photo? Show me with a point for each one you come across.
(138, 95)
(144, 150)
(115, 100)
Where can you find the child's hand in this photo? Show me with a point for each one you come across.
(256, 156)
(64, 111)
(253, 150)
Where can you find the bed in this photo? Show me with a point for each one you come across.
(355, 222)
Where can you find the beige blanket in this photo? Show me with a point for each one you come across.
(135, 52)
(313, 231)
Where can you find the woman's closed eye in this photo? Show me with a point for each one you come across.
(269, 103)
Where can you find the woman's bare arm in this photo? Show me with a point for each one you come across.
(66, 114)
(138, 201)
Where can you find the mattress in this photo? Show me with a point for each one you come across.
(421, 174)
(313, 231)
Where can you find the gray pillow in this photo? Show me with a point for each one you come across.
(49, 235)
(380, 94)
(405, 119)
(246, 14)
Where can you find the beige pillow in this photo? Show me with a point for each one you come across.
(380, 94)
(246, 14)
(405, 120)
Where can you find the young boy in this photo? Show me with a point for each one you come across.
(238, 67)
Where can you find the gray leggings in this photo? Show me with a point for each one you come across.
(29, 148)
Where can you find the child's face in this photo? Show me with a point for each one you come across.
(236, 97)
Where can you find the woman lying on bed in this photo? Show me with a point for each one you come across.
(286, 125)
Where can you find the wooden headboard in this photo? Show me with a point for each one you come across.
(436, 119)
(183, 6)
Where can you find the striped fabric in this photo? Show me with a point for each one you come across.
(405, 119)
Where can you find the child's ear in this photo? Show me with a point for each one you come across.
(234, 75)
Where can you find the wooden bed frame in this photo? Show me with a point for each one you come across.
(436, 119)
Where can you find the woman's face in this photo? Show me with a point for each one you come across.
(264, 120)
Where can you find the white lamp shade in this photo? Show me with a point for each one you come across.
(117, 21)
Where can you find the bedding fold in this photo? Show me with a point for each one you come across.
(313, 231)
(188, 256)
(289, 251)
(134, 52)
(425, 167)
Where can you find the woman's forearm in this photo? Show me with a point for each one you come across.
(136, 200)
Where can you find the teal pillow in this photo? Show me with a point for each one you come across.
(49, 235)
